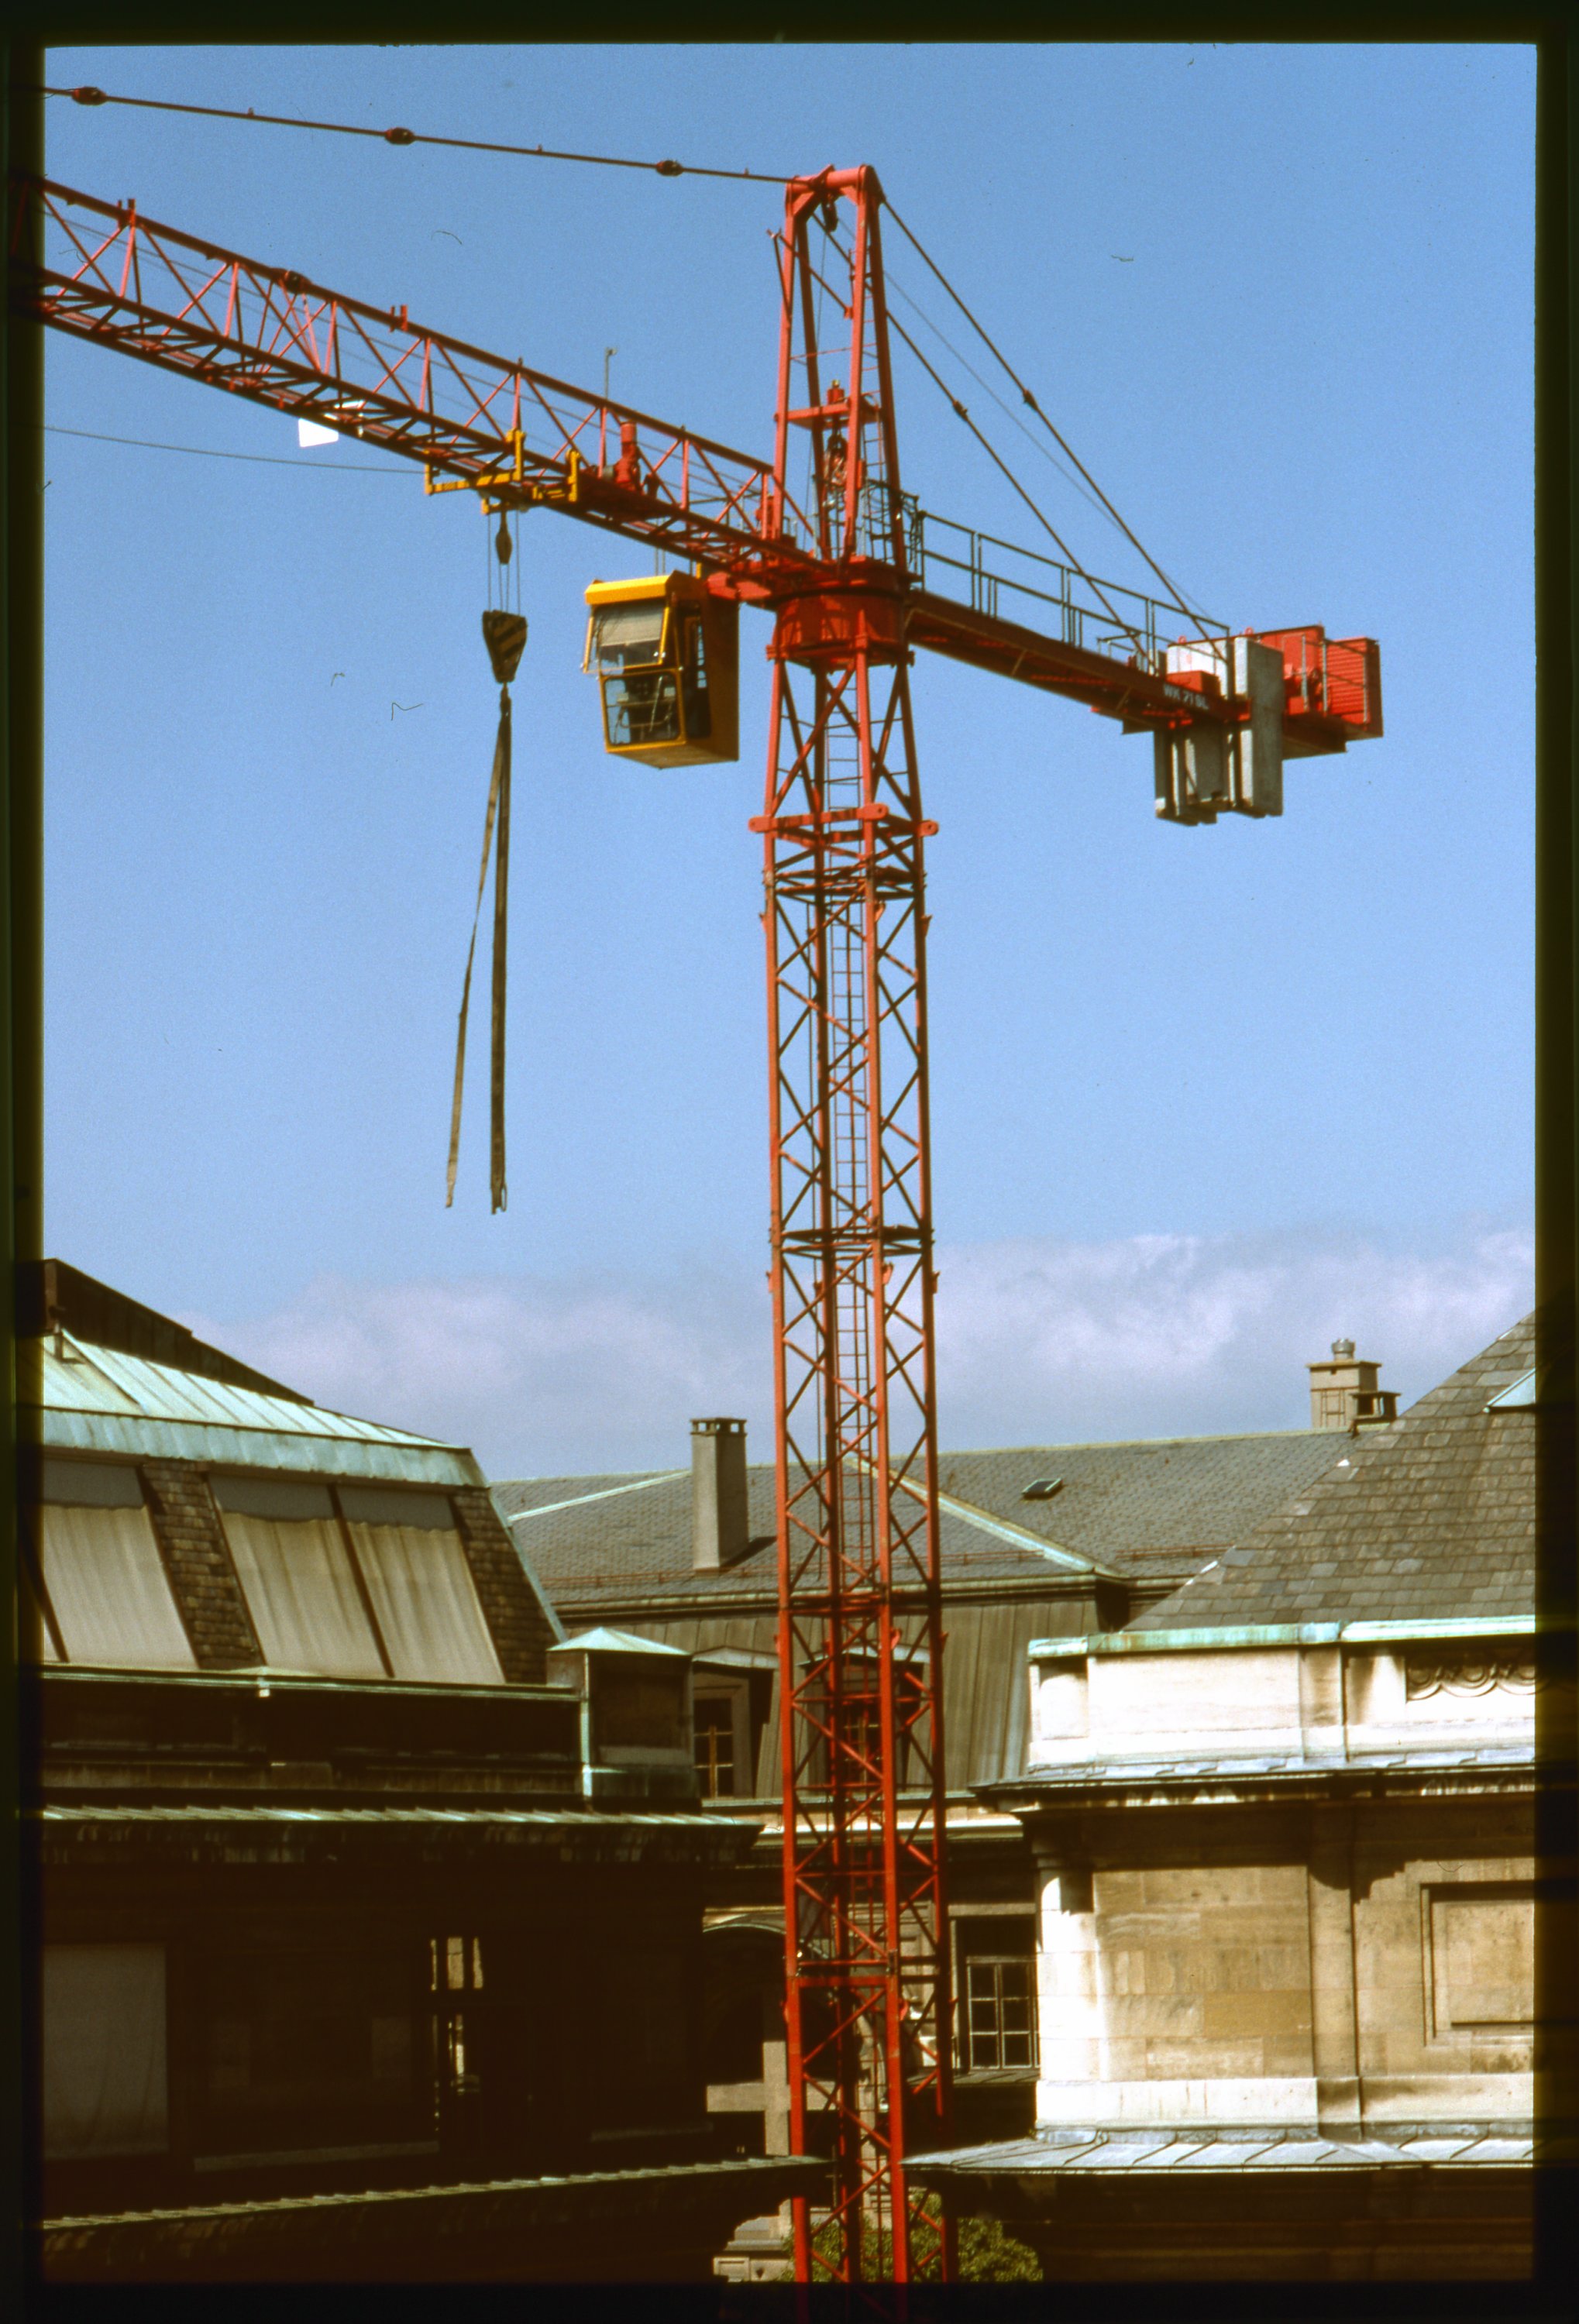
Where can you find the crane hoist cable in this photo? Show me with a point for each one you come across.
(504, 635)
(1029, 398)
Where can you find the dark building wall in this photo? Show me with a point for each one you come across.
(396, 2016)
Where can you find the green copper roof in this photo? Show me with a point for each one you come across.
(99, 1400)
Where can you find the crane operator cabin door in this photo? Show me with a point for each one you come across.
(667, 656)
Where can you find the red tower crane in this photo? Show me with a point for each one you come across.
(824, 538)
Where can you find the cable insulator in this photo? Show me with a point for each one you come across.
(400, 136)
(89, 96)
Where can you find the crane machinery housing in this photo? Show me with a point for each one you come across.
(856, 578)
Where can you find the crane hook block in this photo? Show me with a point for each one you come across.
(666, 653)
(504, 635)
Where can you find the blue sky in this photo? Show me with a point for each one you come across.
(1278, 298)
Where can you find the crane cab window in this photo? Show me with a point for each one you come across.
(665, 655)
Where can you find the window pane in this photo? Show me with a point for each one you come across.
(1000, 2004)
(107, 1585)
(715, 1746)
(396, 1505)
(426, 1608)
(642, 708)
(302, 1595)
(104, 2050)
(628, 627)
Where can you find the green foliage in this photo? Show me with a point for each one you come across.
(985, 2252)
(988, 2254)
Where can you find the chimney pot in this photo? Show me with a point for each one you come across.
(1343, 1392)
(720, 1517)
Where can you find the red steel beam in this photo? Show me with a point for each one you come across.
(868, 2002)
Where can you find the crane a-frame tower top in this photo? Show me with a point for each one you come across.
(857, 578)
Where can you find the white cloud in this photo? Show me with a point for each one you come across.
(1043, 1341)
(1040, 1343)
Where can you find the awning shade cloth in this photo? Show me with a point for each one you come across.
(103, 2057)
(427, 1607)
(629, 626)
(302, 1593)
(108, 1588)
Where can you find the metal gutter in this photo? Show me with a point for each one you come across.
(135, 1436)
(463, 1819)
(258, 1678)
(1285, 1634)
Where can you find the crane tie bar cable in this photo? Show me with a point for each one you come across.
(1027, 396)
(667, 169)
(1002, 466)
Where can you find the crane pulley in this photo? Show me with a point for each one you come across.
(857, 578)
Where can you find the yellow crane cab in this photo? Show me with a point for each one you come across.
(667, 656)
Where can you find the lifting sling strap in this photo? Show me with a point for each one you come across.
(504, 635)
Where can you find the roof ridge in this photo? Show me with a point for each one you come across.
(1122, 1444)
(604, 1493)
(1005, 1528)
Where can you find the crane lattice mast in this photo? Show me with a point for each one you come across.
(860, 1640)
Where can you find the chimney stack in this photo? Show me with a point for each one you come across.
(1343, 1392)
(720, 1520)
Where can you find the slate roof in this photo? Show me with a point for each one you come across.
(1148, 1511)
(1432, 1515)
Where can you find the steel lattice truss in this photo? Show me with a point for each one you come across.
(861, 1638)
(105, 272)
(861, 1641)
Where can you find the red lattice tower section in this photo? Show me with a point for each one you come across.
(861, 1640)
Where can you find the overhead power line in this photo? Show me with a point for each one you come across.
(208, 452)
(667, 169)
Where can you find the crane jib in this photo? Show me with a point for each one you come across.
(270, 334)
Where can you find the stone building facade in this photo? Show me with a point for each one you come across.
(1291, 1865)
